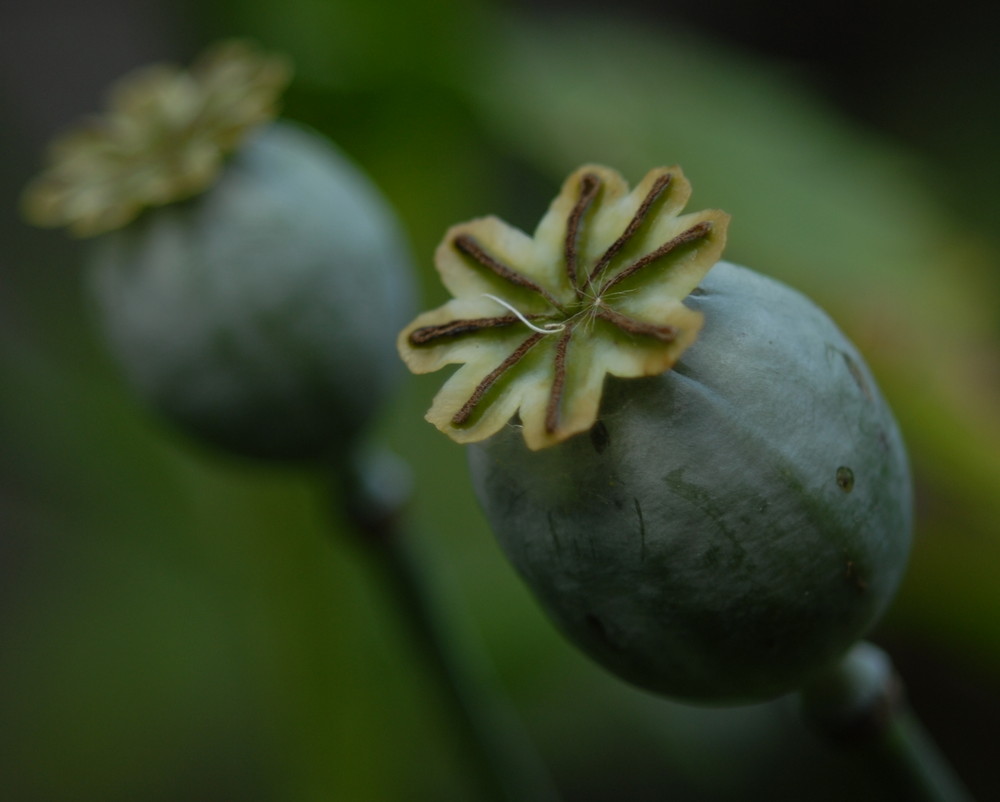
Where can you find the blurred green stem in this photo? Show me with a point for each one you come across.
(374, 490)
(860, 704)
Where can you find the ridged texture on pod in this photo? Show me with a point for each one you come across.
(727, 528)
(261, 314)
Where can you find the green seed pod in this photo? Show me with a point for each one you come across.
(245, 272)
(255, 315)
(718, 532)
(728, 528)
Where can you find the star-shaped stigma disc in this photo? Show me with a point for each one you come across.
(537, 322)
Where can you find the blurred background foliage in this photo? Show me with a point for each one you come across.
(175, 624)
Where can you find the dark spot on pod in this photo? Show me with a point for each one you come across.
(599, 437)
(883, 440)
(853, 576)
(857, 375)
(555, 537)
(845, 479)
(597, 627)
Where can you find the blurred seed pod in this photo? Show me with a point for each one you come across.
(259, 315)
(248, 276)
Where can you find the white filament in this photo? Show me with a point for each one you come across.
(548, 328)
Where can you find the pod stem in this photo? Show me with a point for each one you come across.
(859, 703)
(373, 490)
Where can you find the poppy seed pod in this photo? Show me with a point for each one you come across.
(693, 471)
(728, 528)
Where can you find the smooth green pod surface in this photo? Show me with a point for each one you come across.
(727, 528)
(261, 315)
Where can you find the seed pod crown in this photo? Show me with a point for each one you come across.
(538, 322)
